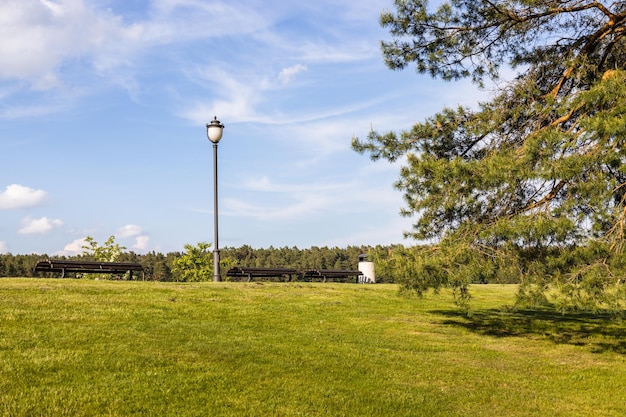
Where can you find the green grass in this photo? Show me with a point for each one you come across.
(91, 348)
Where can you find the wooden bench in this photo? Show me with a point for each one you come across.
(330, 273)
(63, 266)
(249, 273)
(290, 273)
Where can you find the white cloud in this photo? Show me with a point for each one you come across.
(129, 230)
(287, 74)
(3, 247)
(37, 37)
(133, 230)
(18, 196)
(38, 226)
(73, 248)
(141, 243)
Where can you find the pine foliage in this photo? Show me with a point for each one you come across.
(529, 185)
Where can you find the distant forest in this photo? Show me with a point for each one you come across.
(159, 266)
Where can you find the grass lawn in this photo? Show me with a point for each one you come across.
(91, 348)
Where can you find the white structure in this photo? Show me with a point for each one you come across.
(367, 269)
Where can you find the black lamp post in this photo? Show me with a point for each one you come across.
(214, 133)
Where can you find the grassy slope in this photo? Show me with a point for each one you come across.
(116, 348)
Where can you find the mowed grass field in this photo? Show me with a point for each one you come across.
(102, 348)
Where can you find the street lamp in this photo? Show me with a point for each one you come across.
(214, 133)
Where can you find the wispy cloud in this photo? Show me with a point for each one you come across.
(184, 20)
(287, 201)
(17, 196)
(236, 99)
(390, 232)
(22, 112)
(264, 184)
(304, 205)
(270, 201)
(286, 75)
(4, 248)
(343, 53)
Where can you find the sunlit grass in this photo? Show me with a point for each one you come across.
(84, 348)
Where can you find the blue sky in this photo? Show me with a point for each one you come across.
(103, 106)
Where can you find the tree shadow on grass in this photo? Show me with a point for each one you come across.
(599, 332)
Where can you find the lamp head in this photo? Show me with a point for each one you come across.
(214, 130)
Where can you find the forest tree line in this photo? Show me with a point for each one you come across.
(393, 263)
(162, 267)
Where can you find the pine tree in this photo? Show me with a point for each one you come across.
(531, 184)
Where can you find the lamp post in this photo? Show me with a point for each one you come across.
(214, 133)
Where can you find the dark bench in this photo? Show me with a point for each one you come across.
(331, 273)
(249, 273)
(280, 273)
(92, 267)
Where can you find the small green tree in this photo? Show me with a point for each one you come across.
(196, 264)
(108, 252)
